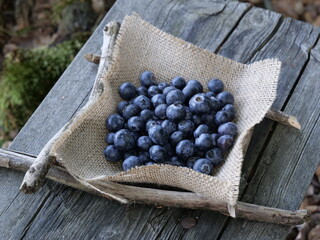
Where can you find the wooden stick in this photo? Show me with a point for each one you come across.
(167, 198)
(35, 176)
(283, 118)
(92, 58)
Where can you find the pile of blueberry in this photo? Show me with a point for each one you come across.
(175, 124)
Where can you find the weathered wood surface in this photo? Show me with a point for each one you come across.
(158, 197)
(279, 163)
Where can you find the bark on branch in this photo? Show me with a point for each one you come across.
(34, 177)
(167, 198)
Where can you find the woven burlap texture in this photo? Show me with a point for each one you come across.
(139, 47)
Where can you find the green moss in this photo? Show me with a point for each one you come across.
(27, 77)
(58, 7)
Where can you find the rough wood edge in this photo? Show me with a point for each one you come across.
(283, 118)
(167, 198)
(110, 33)
(34, 177)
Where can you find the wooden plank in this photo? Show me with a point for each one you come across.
(289, 160)
(216, 19)
(17, 210)
(168, 221)
(52, 218)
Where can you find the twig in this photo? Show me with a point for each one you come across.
(92, 58)
(34, 177)
(283, 118)
(142, 195)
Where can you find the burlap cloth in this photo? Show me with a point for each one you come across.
(139, 47)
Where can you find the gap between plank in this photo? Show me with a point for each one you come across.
(275, 124)
(232, 29)
(28, 225)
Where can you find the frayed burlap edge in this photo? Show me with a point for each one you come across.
(139, 174)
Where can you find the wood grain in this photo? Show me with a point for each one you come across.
(289, 159)
(150, 195)
(67, 212)
(216, 26)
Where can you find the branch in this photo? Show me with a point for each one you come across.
(283, 118)
(167, 198)
(34, 177)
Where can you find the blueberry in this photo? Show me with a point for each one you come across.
(130, 111)
(169, 126)
(160, 122)
(151, 123)
(189, 91)
(142, 102)
(225, 98)
(163, 85)
(158, 99)
(114, 122)
(203, 165)
(110, 138)
(197, 120)
(136, 135)
(197, 84)
(128, 154)
(167, 90)
(191, 161)
(153, 90)
(200, 130)
(144, 157)
(215, 156)
(144, 143)
(228, 128)
(149, 163)
(185, 149)
(121, 106)
(200, 153)
(127, 90)
(160, 111)
(147, 79)
(209, 94)
(176, 137)
(142, 90)
(187, 127)
(204, 142)
(214, 137)
(112, 154)
(175, 161)
(175, 96)
(188, 113)
(209, 120)
(178, 82)
(222, 117)
(176, 112)
(215, 85)
(158, 135)
(199, 103)
(146, 114)
(230, 110)
(157, 153)
(215, 104)
(225, 142)
(135, 124)
(124, 140)
(169, 149)
(131, 162)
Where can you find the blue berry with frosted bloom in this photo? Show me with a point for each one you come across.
(127, 91)
(131, 162)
